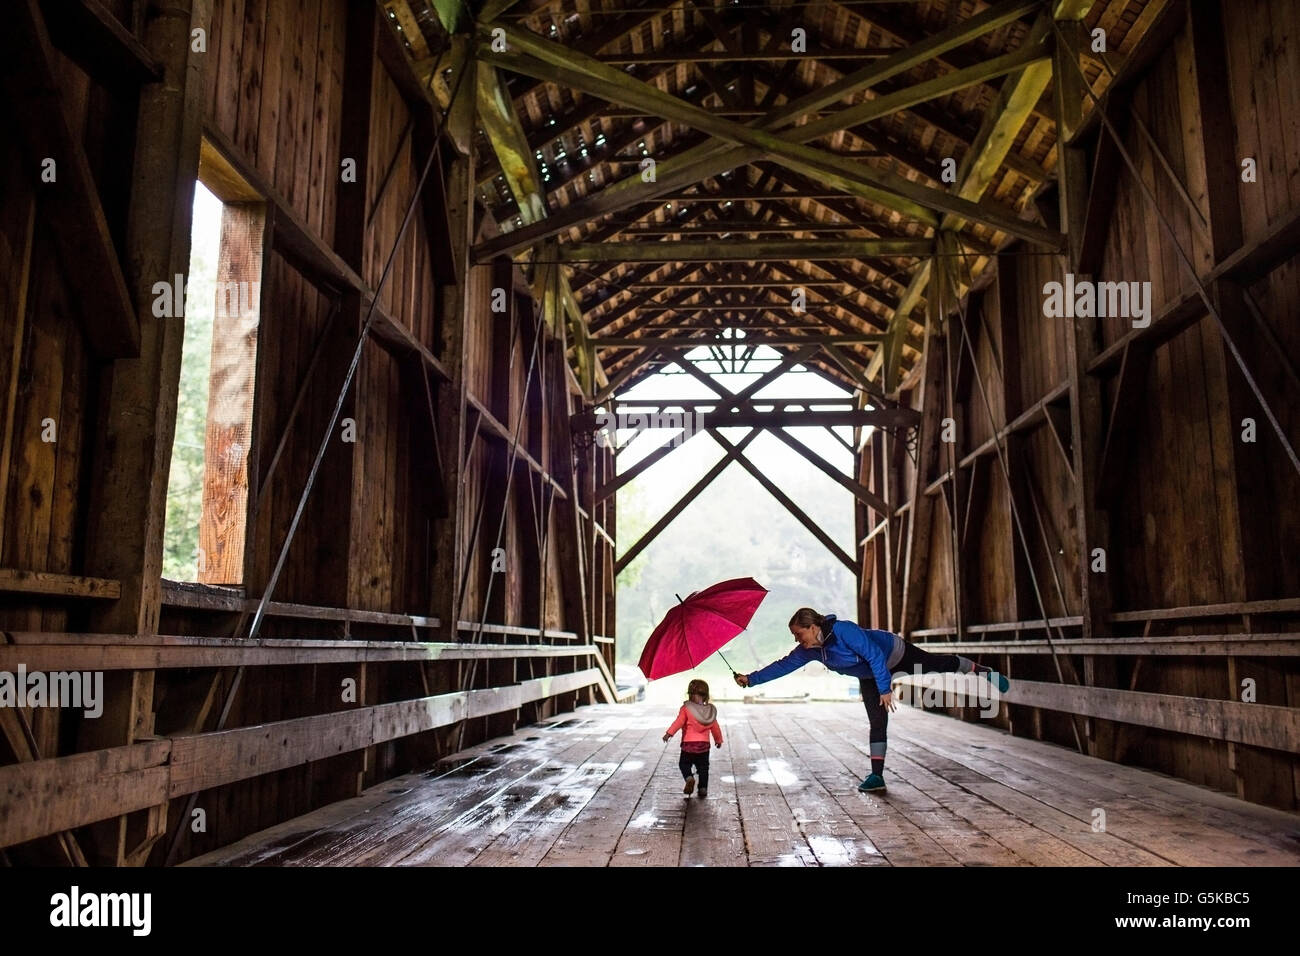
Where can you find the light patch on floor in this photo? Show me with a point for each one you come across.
(774, 771)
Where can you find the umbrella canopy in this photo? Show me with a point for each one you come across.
(700, 625)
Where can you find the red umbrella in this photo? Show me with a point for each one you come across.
(700, 625)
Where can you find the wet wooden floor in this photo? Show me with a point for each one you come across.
(600, 788)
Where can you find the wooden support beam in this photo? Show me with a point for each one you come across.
(846, 418)
(859, 491)
(46, 651)
(702, 162)
(775, 491)
(15, 581)
(956, 496)
(1002, 124)
(1009, 351)
(1259, 725)
(642, 357)
(573, 582)
(61, 793)
(614, 342)
(741, 251)
(500, 123)
(917, 555)
(631, 474)
(126, 510)
(691, 494)
(452, 396)
(633, 302)
(86, 249)
(705, 285)
(97, 41)
(544, 59)
(1092, 521)
(491, 427)
(1210, 645)
(745, 56)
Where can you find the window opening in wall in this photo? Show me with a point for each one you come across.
(208, 485)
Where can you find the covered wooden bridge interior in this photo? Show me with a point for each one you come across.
(457, 233)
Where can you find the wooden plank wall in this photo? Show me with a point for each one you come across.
(273, 97)
(1187, 500)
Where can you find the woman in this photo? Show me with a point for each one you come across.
(870, 656)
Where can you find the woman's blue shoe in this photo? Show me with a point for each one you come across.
(998, 681)
(873, 782)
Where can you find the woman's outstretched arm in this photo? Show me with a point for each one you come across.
(796, 659)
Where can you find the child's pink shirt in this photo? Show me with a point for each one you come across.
(692, 730)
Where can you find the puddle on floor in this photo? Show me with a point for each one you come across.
(629, 765)
(644, 822)
(771, 770)
(833, 851)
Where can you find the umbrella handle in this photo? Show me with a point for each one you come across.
(727, 662)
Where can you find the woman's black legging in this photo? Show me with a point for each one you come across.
(913, 657)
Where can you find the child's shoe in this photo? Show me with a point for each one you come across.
(690, 786)
(873, 782)
(704, 792)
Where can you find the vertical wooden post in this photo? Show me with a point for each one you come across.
(917, 561)
(954, 494)
(1085, 390)
(354, 133)
(1249, 540)
(1023, 605)
(864, 555)
(453, 320)
(895, 452)
(1081, 344)
(132, 456)
(880, 543)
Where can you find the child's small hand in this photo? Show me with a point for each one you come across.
(718, 744)
(666, 738)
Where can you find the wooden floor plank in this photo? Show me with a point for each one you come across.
(457, 840)
(958, 835)
(600, 788)
(712, 834)
(1188, 832)
(772, 838)
(1097, 848)
(532, 834)
(653, 834)
(312, 838)
(899, 840)
(443, 796)
(1169, 794)
(836, 838)
(592, 838)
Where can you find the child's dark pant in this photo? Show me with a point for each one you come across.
(701, 764)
